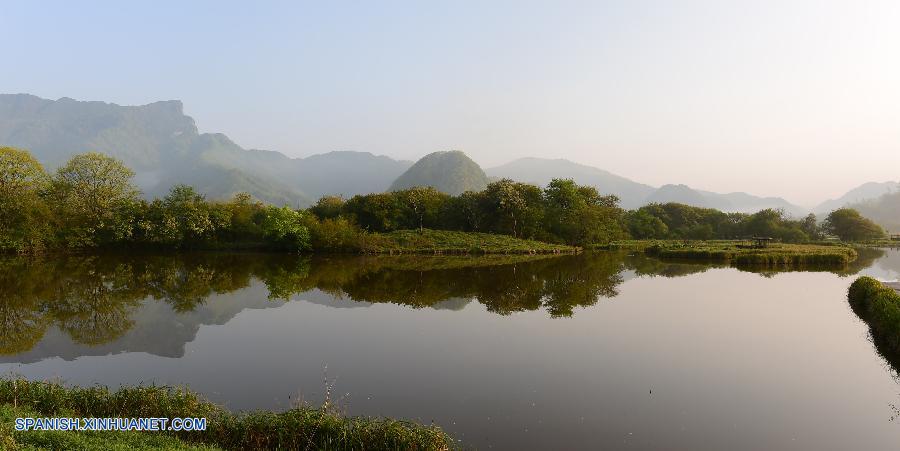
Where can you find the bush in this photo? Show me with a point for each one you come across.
(879, 306)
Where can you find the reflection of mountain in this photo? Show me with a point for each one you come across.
(156, 328)
(74, 306)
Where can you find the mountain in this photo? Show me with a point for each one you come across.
(451, 172)
(349, 173)
(681, 194)
(634, 194)
(164, 148)
(862, 193)
(748, 203)
(885, 210)
(541, 171)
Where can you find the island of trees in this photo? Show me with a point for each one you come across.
(91, 202)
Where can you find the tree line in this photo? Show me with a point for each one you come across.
(91, 202)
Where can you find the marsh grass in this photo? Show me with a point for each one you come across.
(452, 242)
(301, 427)
(737, 253)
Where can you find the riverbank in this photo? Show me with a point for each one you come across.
(740, 253)
(297, 428)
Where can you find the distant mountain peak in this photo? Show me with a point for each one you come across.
(450, 171)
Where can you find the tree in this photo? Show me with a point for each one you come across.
(516, 208)
(23, 223)
(283, 227)
(328, 207)
(579, 215)
(423, 205)
(642, 225)
(93, 196)
(848, 225)
(810, 226)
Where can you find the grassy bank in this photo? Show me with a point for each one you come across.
(451, 242)
(739, 253)
(298, 428)
(879, 306)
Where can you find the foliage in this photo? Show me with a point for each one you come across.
(328, 207)
(848, 225)
(564, 212)
(879, 306)
(23, 222)
(679, 221)
(284, 228)
(91, 195)
(91, 203)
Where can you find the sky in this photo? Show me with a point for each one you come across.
(798, 99)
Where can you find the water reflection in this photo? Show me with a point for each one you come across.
(96, 300)
(733, 359)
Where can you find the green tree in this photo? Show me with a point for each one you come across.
(810, 227)
(189, 212)
(515, 208)
(93, 197)
(423, 206)
(23, 222)
(382, 212)
(328, 207)
(579, 215)
(848, 225)
(284, 228)
(642, 225)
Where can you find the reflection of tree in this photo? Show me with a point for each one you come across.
(22, 320)
(96, 308)
(647, 266)
(558, 284)
(93, 298)
(189, 280)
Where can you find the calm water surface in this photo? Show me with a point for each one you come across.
(600, 350)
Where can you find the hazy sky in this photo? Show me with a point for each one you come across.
(795, 99)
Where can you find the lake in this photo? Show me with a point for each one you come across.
(598, 350)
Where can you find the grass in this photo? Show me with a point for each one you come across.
(452, 242)
(879, 306)
(297, 428)
(82, 440)
(738, 253)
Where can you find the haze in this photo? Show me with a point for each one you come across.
(791, 99)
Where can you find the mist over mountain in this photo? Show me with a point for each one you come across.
(885, 210)
(541, 171)
(451, 172)
(633, 194)
(164, 148)
(862, 193)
